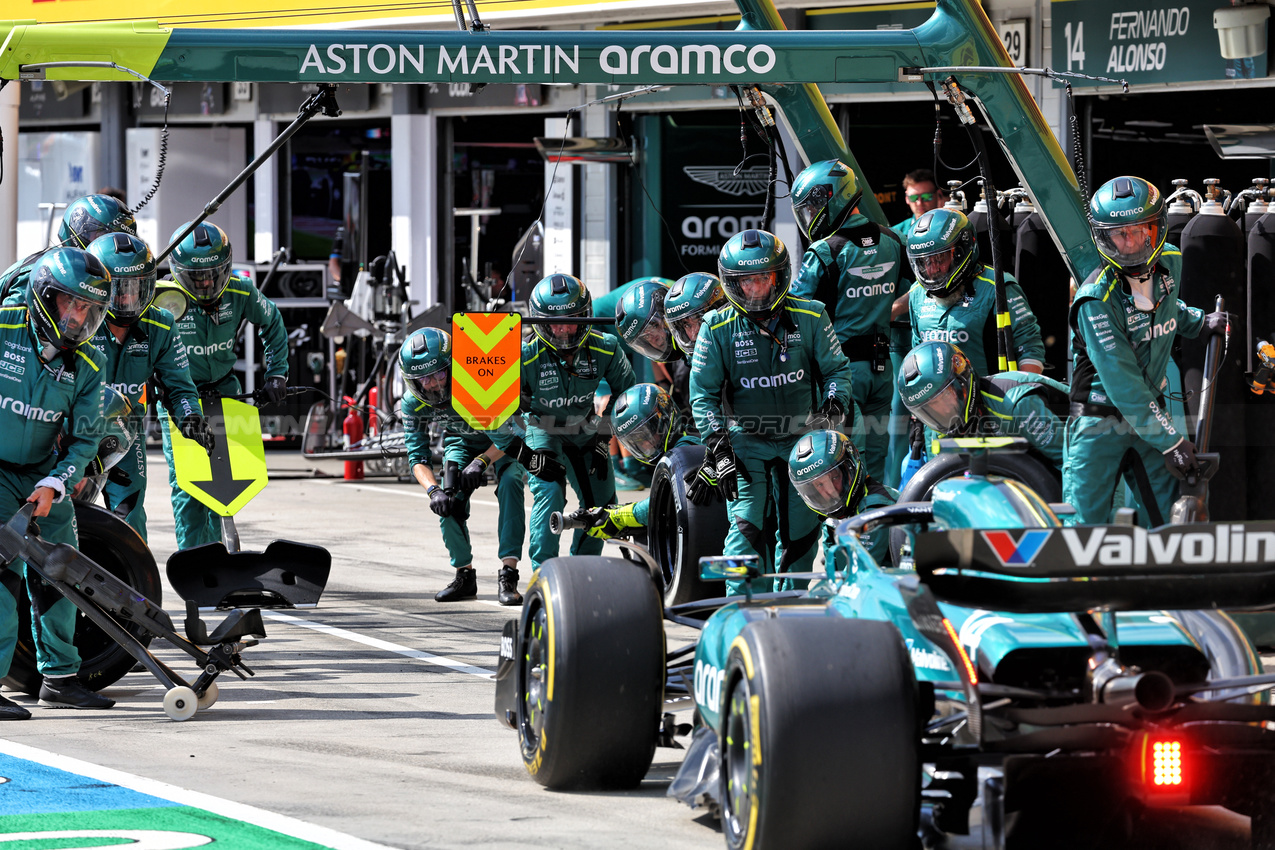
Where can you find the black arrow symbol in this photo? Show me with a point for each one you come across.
(223, 487)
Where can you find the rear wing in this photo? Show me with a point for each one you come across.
(1121, 568)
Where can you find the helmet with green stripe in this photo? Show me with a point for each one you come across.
(942, 251)
(646, 421)
(67, 297)
(92, 217)
(755, 272)
(425, 359)
(1129, 223)
(825, 469)
(561, 296)
(823, 196)
(937, 383)
(132, 268)
(201, 262)
(639, 317)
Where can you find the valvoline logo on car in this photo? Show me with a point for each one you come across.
(1016, 553)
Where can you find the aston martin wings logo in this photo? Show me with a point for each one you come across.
(871, 272)
(750, 181)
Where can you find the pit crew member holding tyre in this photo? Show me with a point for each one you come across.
(855, 267)
(832, 480)
(647, 423)
(1123, 320)
(50, 421)
(561, 367)
(425, 359)
(219, 302)
(138, 341)
(941, 388)
(767, 368)
(954, 297)
(84, 220)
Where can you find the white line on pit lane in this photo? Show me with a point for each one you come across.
(377, 643)
(183, 796)
(375, 488)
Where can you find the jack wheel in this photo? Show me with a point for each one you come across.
(209, 699)
(180, 703)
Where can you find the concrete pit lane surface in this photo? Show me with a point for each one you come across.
(371, 716)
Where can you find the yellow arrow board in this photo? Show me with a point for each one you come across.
(486, 356)
(235, 471)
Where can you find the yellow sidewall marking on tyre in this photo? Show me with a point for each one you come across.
(544, 591)
(739, 644)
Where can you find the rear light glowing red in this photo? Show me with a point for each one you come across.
(1166, 763)
(1165, 767)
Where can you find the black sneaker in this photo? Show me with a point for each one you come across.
(509, 594)
(464, 586)
(10, 710)
(68, 692)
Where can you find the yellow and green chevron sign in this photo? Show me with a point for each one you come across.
(486, 356)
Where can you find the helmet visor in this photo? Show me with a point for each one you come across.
(112, 449)
(1133, 245)
(945, 412)
(754, 292)
(647, 440)
(686, 330)
(77, 319)
(933, 271)
(810, 208)
(434, 388)
(563, 337)
(205, 284)
(85, 228)
(827, 493)
(130, 296)
(655, 340)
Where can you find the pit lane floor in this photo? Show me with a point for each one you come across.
(372, 714)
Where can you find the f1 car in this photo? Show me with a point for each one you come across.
(1082, 664)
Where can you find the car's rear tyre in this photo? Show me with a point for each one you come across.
(681, 532)
(590, 678)
(115, 546)
(1020, 467)
(819, 743)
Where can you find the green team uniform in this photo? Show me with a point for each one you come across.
(209, 339)
(150, 347)
(1117, 392)
(461, 444)
(13, 280)
(1024, 404)
(876, 542)
(557, 400)
(856, 273)
(48, 413)
(970, 324)
(904, 227)
(743, 382)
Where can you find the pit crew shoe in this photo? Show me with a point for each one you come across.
(68, 692)
(464, 586)
(509, 594)
(10, 710)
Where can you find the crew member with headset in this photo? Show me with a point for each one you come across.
(208, 315)
(767, 368)
(1123, 321)
(854, 266)
(941, 388)
(425, 360)
(828, 474)
(139, 342)
(562, 364)
(51, 422)
(84, 220)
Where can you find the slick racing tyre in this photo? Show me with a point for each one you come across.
(114, 545)
(681, 532)
(820, 736)
(590, 679)
(1025, 468)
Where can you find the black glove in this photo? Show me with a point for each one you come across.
(701, 482)
(726, 469)
(119, 476)
(1181, 461)
(828, 417)
(195, 427)
(539, 462)
(474, 475)
(440, 501)
(600, 455)
(1215, 323)
(276, 389)
(916, 437)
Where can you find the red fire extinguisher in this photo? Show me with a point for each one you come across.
(373, 395)
(352, 438)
